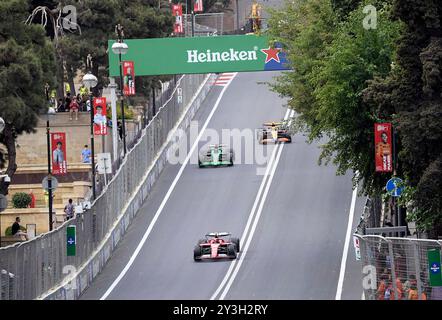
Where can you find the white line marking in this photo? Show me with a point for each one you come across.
(346, 245)
(255, 224)
(163, 203)
(249, 221)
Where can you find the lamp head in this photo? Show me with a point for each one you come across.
(89, 80)
(120, 48)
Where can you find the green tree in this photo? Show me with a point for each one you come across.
(355, 56)
(26, 65)
(333, 58)
(411, 97)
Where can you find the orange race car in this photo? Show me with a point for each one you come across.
(274, 132)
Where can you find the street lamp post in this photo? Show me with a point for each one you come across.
(48, 143)
(90, 81)
(121, 48)
(2, 127)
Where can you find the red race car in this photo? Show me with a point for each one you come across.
(216, 245)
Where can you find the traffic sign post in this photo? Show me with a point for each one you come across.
(71, 240)
(395, 187)
(434, 267)
(45, 183)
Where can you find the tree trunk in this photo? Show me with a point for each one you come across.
(71, 76)
(8, 139)
(60, 76)
(99, 87)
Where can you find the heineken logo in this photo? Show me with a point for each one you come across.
(195, 56)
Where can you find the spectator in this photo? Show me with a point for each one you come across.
(73, 107)
(67, 100)
(80, 102)
(16, 229)
(120, 129)
(86, 155)
(385, 289)
(61, 106)
(413, 293)
(32, 204)
(69, 210)
(84, 92)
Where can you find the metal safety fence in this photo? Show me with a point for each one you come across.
(30, 269)
(204, 24)
(396, 268)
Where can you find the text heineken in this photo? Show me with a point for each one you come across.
(194, 56)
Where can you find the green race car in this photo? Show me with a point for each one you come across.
(216, 155)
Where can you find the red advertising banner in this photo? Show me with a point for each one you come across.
(100, 120)
(177, 12)
(58, 146)
(128, 78)
(198, 6)
(383, 147)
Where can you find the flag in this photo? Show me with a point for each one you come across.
(100, 120)
(58, 147)
(198, 6)
(383, 147)
(177, 12)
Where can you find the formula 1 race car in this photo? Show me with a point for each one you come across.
(216, 245)
(216, 155)
(274, 132)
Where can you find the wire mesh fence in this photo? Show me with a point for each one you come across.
(30, 268)
(204, 24)
(397, 268)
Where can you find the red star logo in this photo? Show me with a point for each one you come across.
(271, 54)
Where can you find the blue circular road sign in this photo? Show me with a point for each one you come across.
(395, 187)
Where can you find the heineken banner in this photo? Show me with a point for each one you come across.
(200, 55)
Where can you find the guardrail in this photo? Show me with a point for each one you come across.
(41, 268)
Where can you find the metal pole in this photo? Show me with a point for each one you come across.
(92, 145)
(113, 87)
(122, 106)
(153, 102)
(193, 23)
(237, 15)
(48, 140)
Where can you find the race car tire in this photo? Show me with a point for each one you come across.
(236, 243)
(287, 136)
(200, 164)
(201, 241)
(231, 251)
(197, 253)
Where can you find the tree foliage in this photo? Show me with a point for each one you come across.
(26, 65)
(333, 58)
(411, 97)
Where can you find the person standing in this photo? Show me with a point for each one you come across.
(86, 155)
(69, 210)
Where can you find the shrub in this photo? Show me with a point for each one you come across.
(21, 200)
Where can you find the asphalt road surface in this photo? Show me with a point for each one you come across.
(295, 218)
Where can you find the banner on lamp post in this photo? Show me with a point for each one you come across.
(128, 78)
(383, 147)
(100, 120)
(58, 147)
(177, 12)
(198, 6)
